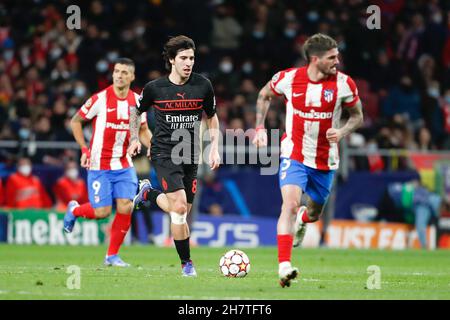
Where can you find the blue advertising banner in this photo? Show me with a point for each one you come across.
(228, 230)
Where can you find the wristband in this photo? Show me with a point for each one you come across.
(85, 150)
(260, 127)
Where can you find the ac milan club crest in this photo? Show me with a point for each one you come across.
(328, 95)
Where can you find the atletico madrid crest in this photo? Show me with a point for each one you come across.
(328, 95)
(276, 77)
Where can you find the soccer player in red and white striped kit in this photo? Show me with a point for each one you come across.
(315, 96)
(111, 174)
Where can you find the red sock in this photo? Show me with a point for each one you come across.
(305, 217)
(119, 229)
(85, 211)
(284, 247)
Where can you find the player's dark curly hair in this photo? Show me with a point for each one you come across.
(317, 45)
(174, 45)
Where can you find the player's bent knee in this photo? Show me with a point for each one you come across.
(180, 208)
(125, 208)
(290, 206)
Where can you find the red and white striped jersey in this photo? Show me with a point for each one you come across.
(111, 128)
(311, 109)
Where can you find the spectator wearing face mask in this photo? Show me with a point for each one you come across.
(70, 187)
(24, 190)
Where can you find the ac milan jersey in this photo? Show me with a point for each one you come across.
(311, 109)
(178, 113)
(111, 128)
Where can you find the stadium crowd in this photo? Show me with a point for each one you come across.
(47, 71)
(402, 70)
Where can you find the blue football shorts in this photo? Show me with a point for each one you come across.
(315, 183)
(106, 185)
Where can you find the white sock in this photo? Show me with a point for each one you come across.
(283, 265)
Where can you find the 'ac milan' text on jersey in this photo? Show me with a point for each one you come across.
(177, 107)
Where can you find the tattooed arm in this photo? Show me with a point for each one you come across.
(262, 106)
(135, 123)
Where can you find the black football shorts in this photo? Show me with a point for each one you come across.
(173, 177)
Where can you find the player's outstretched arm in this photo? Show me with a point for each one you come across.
(77, 130)
(354, 122)
(135, 145)
(265, 95)
(213, 128)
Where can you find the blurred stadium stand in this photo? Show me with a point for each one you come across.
(402, 72)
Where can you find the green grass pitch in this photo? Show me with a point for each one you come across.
(40, 272)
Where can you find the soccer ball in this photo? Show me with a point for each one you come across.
(234, 264)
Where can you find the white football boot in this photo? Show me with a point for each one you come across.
(299, 228)
(287, 273)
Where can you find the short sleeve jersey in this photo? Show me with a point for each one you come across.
(178, 113)
(311, 109)
(110, 117)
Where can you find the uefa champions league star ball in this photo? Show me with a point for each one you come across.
(234, 264)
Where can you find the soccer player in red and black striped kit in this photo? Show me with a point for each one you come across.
(178, 101)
